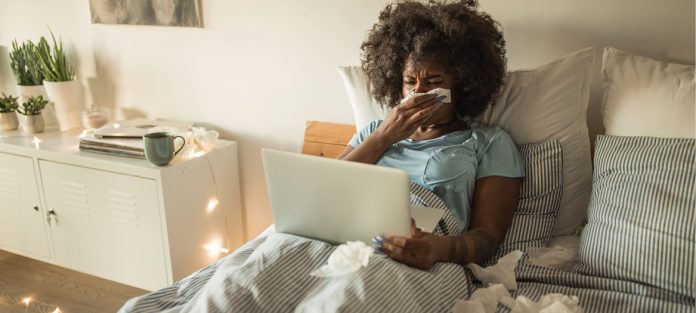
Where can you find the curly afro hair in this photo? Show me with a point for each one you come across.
(467, 42)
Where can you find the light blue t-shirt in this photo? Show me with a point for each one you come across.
(450, 164)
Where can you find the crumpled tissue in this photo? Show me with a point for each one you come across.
(485, 300)
(550, 303)
(438, 91)
(347, 258)
(482, 300)
(560, 253)
(500, 278)
(502, 272)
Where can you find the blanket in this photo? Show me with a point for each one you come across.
(271, 274)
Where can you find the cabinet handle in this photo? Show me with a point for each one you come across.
(51, 214)
(36, 208)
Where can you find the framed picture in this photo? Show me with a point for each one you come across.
(182, 13)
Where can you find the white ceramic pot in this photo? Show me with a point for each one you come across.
(8, 121)
(32, 124)
(49, 112)
(68, 101)
(30, 91)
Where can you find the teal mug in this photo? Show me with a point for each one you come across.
(159, 147)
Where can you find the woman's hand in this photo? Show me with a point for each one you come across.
(407, 116)
(422, 250)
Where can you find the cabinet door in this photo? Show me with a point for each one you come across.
(21, 217)
(106, 224)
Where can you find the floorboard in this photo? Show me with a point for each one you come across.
(52, 287)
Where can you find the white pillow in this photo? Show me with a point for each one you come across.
(365, 108)
(645, 97)
(536, 105)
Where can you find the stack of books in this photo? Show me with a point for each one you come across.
(128, 147)
(125, 138)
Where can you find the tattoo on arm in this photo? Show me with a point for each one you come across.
(484, 243)
(475, 246)
(458, 250)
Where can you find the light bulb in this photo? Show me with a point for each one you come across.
(36, 142)
(215, 249)
(57, 310)
(26, 300)
(212, 204)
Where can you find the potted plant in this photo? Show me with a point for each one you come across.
(30, 114)
(24, 64)
(8, 118)
(27, 71)
(60, 83)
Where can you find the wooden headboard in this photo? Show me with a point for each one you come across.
(326, 139)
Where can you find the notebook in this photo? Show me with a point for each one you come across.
(136, 128)
(338, 201)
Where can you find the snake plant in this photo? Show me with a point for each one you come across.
(54, 64)
(25, 65)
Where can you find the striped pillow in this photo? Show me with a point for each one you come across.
(641, 215)
(540, 199)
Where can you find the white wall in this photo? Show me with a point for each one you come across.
(259, 69)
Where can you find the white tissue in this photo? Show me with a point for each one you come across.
(438, 91)
(502, 272)
(560, 253)
(482, 300)
(550, 303)
(347, 258)
(501, 278)
(204, 139)
(485, 300)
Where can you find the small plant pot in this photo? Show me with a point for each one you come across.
(8, 121)
(49, 113)
(32, 124)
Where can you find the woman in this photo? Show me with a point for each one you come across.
(475, 169)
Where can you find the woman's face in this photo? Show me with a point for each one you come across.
(423, 76)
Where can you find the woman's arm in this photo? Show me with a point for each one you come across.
(494, 203)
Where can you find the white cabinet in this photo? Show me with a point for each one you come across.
(117, 218)
(105, 224)
(21, 216)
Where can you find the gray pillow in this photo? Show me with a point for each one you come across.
(641, 214)
(540, 199)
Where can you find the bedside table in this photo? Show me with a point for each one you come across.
(118, 218)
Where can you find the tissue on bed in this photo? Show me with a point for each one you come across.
(346, 259)
(483, 300)
(502, 272)
(438, 91)
(550, 303)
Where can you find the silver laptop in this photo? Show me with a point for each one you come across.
(334, 200)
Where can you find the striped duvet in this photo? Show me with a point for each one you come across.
(271, 274)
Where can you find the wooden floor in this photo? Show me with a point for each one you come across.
(51, 287)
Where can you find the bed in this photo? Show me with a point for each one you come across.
(620, 236)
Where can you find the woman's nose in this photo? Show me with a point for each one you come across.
(420, 87)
